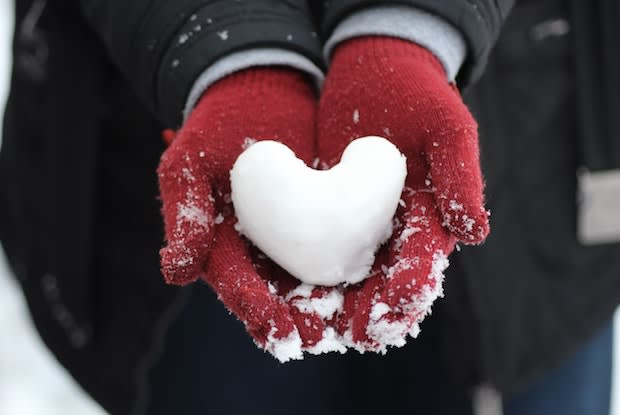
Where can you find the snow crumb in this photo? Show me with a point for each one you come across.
(219, 219)
(201, 154)
(175, 63)
(435, 144)
(289, 37)
(415, 330)
(191, 213)
(302, 290)
(288, 348)
(223, 34)
(440, 264)
(468, 223)
(454, 205)
(356, 116)
(347, 340)
(329, 343)
(192, 17)
(408, 190)
(379, 310)
(388, 333)
(328, 305)
(209, 20)
(387, 132)
(187, 174)
(182, 262)
(272, 289)
(404, 236)
(247, 142)
(183, 38)
(401, 264)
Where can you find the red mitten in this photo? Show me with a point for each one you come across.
(254, 104)
(396, 89)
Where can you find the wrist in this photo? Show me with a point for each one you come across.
(432, 32)
(372, 50)
(248, 85)
(247, 59)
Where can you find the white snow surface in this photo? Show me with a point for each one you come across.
(331, 342)
(325, 307)
(285, 349)
(31, 380)
(296, 214)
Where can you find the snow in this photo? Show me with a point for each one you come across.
(379, 310)
(329, 343)
(192, 214)
(247, 142)
(31, 380)
(296, 214)
(328, 306)
(302, 290)
(325, 306)
(285, 349)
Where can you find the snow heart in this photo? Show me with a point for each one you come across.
(322, 226)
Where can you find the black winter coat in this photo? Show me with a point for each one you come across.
(547, 106)
(94, 83)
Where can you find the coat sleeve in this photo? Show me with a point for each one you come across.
(162, 46)
(479, 21)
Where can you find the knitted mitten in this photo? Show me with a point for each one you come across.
(396, 89)
(254, 104)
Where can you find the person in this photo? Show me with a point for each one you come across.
(94, 84)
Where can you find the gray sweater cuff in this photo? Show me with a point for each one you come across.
(245, 59)
(405, 22)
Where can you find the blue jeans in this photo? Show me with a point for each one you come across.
(581, 386)
(210, 366)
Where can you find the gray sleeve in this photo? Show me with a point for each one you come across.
(245, 59)
(405, 22)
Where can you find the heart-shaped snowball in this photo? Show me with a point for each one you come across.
(322, 226)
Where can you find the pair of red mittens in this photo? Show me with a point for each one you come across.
(375, 86)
